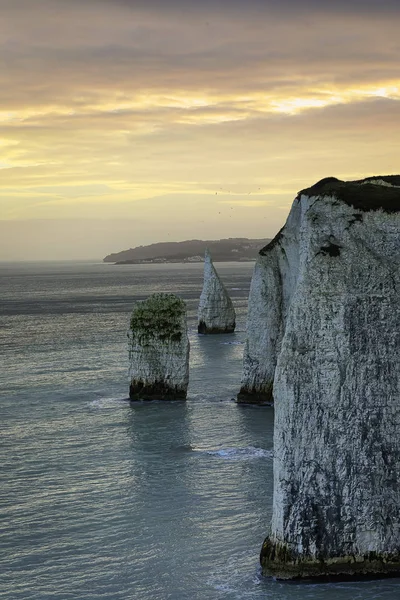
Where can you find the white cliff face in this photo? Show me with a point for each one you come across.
(159, 349)
(378, 182)
(216, 313)
(274, 278)
(324, 332)
(389, 181)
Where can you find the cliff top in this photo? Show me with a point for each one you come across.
(379, 192)
(373, 193)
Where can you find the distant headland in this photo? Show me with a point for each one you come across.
(190, 251)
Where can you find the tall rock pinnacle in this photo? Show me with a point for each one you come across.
(324, 341)
(216, 313)
(159, 349)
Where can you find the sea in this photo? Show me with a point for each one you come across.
(103, 499)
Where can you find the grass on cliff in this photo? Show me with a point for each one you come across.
(160, 316)
(360, 194)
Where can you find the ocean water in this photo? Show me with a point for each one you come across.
(103, 500)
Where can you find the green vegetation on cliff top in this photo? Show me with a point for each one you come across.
(362, 194)
(158, 317)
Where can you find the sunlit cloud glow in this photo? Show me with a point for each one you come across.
(208, 123)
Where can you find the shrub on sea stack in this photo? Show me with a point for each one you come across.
(159, 349)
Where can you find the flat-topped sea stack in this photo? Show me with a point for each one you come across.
(159, 349)
(216, 313)
(324, 343)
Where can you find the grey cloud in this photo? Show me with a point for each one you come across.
(286, 6)
(35, 74)
(84, 62)
(104, 46)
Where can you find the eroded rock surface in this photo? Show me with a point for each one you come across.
(324, 342)
(159, 349)
(216, 313)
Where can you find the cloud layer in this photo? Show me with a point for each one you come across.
(120, 108)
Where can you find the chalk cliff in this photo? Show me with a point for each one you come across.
(278, 267)
(159, 349)
(324, 342)
(216, 313)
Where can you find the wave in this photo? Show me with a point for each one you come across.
(232, 343)
(108, 402)
(249, 452)
(231, 582)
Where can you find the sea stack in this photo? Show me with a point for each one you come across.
(216, 313)
(324, 342)
(159, 349)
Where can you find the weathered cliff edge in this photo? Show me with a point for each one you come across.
(324, 339)
(216, 313)
(159, 349)
(289, 257)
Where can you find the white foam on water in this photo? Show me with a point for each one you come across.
(232, 343)
(101, 403)
(223, 587)
(249, 452)
(231, 583)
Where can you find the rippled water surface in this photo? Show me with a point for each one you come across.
(101, 499)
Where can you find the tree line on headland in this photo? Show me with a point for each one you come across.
(231, 249)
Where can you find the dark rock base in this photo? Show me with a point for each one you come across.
(202, 328)
(261, 397)
(155, 391)
(278, 561)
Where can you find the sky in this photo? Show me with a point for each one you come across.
(127, 122)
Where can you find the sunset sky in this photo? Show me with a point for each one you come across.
(127, 122)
